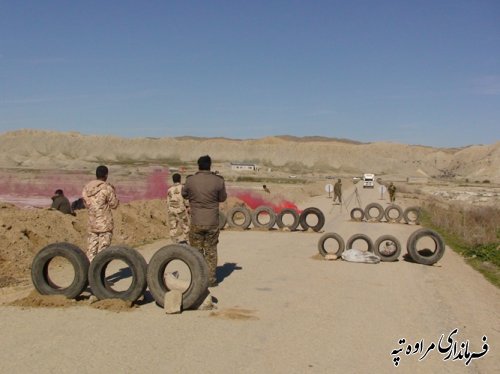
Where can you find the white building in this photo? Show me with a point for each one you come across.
(243, 166)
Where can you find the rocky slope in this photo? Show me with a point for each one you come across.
(48, 150)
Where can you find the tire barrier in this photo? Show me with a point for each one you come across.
(415, 218)
(362, 237)
(331, 235)
(357, 214)
(389, 213)
(293, 226)
(263, 210)
(222, 220)
(388, 248)
(40, 270)
(425, 256)
(369, 216)
(392, 214)
(194, 295)
(236, 210)
(101, 287)
(318, 213)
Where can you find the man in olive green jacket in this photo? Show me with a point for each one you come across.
(205, 190)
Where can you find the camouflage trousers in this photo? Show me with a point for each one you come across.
(97, 241)
(179, 226)
(205, 239)
(392, 197)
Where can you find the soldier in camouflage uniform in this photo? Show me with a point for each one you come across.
(99, 197)
(337, 191)
(205, 191)
(178, 212)
(392, 192)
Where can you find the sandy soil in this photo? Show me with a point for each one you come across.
(280, 309)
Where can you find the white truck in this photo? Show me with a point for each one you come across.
(368, 180)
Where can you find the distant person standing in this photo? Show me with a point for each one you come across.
(178, 212)
(99, 197)
(205, 191)
(392, 192)
(61, 202)
(264, 187)
(337, 191)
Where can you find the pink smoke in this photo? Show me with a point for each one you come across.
(40, 190)
(254, 200)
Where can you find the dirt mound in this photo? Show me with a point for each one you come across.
(113, 305)
(35, 300)
(24, 231)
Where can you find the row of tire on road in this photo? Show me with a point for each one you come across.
(143, 275)
(392, 214)
(388, 247)
(241, 217)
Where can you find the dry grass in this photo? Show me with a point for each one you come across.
(473, 225)
(472, 231)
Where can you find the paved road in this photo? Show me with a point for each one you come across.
(280, 310)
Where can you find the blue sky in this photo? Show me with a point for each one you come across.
(413, 72)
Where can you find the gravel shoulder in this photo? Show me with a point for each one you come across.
(280, 309)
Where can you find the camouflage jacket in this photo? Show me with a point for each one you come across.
(100, 198)
(175, 202)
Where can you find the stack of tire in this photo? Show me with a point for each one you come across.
(143, 275)
(392, 214)
(280, 219)
(388, 247)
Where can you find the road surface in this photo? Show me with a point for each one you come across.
(280, 309)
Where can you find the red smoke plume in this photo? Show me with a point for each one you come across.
(40, 190)
(254, 200)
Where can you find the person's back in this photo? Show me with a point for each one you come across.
(205, 191)
(100, 198)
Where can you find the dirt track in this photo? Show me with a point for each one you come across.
(280, 309)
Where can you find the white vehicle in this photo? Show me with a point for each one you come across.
(368, 180)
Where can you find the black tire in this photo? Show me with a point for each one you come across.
(263, 209)
(97, 273)
(239, 209)
(363, 237)
(222, 220)
(295, 223)
(194, 295)
(354, 213)
(416, 210)
(40, 270)
(331, 235)
(391, 208)
(371, 218)
(318, 213)
(384, 256)
(418, 256)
